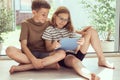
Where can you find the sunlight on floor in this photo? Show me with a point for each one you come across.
(106, 74)
(63, 73)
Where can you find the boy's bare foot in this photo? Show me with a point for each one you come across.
(53, 66)
(12, 69)
(56, 66)
(106, 64)
(94, 77)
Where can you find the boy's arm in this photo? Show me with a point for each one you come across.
(36, 62)
(26, 50)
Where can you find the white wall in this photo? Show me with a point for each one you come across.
(117, 35)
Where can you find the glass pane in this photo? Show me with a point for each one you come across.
(25, 5)
(97, 13)
(6, 24)
(82, 15)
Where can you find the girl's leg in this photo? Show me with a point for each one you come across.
(91, 37)
(75, 63)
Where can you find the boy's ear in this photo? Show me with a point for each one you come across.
(33, 12)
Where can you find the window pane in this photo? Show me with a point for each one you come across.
(25, 5)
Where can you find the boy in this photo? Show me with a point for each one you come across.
(33, 54)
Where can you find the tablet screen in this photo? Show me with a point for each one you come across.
(69, 43)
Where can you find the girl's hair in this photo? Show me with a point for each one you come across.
(60, 10)
(38, 4)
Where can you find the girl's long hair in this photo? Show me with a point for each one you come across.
(60, 10)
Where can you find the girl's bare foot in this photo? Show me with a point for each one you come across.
(88, 75)
(94, 77)
(106, 64)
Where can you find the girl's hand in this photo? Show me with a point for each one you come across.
(56, 44)
(81, 41)
(83, 32)
(77, 49)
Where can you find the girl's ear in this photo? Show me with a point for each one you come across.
(54, 17)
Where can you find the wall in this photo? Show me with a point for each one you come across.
(20, 16)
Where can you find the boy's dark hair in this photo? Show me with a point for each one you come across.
(38, 4)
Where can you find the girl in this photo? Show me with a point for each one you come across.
(61, 27)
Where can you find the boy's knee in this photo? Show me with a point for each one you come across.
(9, 50)
(62, 53)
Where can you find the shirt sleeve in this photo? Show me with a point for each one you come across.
(72, 35)
(47, 35)
(24, 31)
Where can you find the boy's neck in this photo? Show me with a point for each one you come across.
(35, 20)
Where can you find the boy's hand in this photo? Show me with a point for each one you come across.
(37, 63)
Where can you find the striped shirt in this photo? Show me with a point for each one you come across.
(53, 33)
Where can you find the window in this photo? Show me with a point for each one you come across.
(80, 18)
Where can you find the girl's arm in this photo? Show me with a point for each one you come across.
(83, 32)
(52, 45)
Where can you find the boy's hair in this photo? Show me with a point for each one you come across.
(60, 10)
(38, 4)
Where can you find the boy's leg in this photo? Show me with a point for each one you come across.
(75, 63)
(17, 55)
(26, 67)
(48, 62)
(54, 58)
(91, 37)
(20, 68)
(20, 57)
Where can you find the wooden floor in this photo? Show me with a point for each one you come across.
(63, 73)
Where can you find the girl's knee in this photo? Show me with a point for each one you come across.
(72, 59)
(92, 30)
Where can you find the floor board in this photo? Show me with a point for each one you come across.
(63, 73)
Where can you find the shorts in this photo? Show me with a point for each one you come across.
(79, 55)
(40, 54)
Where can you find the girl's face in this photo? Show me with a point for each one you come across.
(62, 20)
(41, 15)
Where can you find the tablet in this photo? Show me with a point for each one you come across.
(68, 43)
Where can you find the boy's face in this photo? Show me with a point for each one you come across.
(41, 15)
